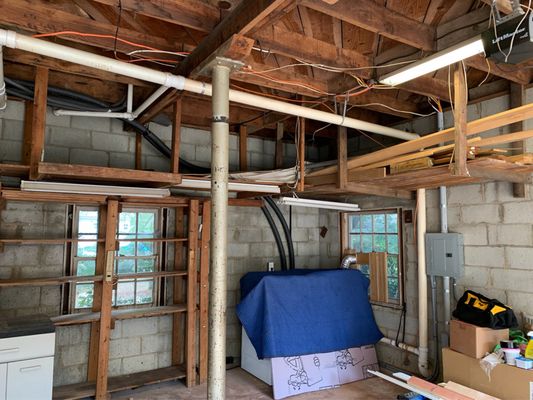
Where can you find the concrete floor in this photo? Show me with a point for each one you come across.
(243, 386)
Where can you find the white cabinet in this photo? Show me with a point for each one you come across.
(27, 367)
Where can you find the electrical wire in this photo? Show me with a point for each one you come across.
(97, 35)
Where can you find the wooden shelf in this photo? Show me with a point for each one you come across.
(49, 281)
(16, 170)
(154, 240)
(118, 314)
(124, 382)
(22, 241)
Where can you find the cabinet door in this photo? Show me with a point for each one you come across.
(30, 379)
(3, 381)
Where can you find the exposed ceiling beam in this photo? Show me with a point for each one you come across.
(372, 17)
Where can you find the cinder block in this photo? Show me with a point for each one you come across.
(306, 221)
(12, 129)
(203, 153)
(489, 213)
(54, 120)
(14, 111)
(139, 327)
(10, 151)
(122, 160)
(70, 375)
(68, 335)
(513, 213)
(145, 362)
(187, 152)
(163, 132)
(519, 258)
(68, 137)
(511, 234)
(475, 235)
(56, 154)
(522, 302)
(475, 276)
(156, 343)
(110, 142)
(116, 333)
(196, 136)
(255, 145)
(89, 157)
(238, 249)
(262, 250)
(73, 355)
(512, 279)
(91, 123)
(115, 367)
(120, 348)
(50, 296)
(165, 323)
(157, 163)
(164, 360)
(485, 256)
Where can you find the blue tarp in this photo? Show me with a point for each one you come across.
(301, 312)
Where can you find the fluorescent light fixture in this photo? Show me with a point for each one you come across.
(460, 51)
(331, 205)
(59, 187)
(188, 183)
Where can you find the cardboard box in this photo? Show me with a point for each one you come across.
(309, 373)
(506, 382)
(473, 340)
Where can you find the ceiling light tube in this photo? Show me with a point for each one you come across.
(449, 56)
(187, 183)
(331, 205)
(59, 187)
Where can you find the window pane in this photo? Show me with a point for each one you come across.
(145, 264)
(379, 223)
(380, 243)
(86, 267)
(86, 249)
(394, 292)
(145, 291)
(84, 295)
(355, 223)
(392, 223)
(125, 293)
(146, 222)
(126, 266)
(392, 266)
(145, 248)
(127, 222)
(366, 223)
(127, 249)
(88, 221)
(355, 242)
(367, 244)
(392, 244)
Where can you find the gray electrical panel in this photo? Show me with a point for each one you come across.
(444, 254)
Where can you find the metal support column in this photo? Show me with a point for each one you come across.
(216, 379)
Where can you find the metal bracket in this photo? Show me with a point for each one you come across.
(233, 65)
(517, 11)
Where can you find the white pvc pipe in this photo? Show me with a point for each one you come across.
(148, 102)
(3, 96)
(423, 366)
(129, 102)
(49, 49)
(401, 345)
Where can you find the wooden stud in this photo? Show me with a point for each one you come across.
(204, 289)
(178, 293)
(243, 148)
(38, 120)
(460, 110)
(301, 155)
(517, 99)
(176, 135)
(26, 142)
(190, 341)
(279, 146)
(342, 157)
(107, 294)
(138, 151)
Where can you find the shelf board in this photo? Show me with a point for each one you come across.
(153, 240)
(46, 241)
(124, 382)
(117, 314)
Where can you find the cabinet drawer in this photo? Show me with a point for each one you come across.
(24, 347)
(3, 381)
(30, 379)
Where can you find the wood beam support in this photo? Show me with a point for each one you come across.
(138, 151)
(204, 290)
(278, 163)
(460, 120)
(243, 148)
(38, 126)
(301, 155)
(192, 276)
(176, 137)
(517, 99)
(342, 157)
(178, 292)
(26, 141)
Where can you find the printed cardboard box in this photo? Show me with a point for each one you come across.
(312, 372)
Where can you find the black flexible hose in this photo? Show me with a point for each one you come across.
(286, 229)
(277, 237)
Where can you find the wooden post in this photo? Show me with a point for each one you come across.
(107, 293)
(243, 148)
(38, 120)
(279, 145)
(178, 293)
(461, 102)
(138, 151)
(190, 343)
(342, 157)
(176, 134)
(301, 155)
(204, 289)
(517, 99)
(28, 121)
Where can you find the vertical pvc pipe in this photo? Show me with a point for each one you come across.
(422, 284)
(216, 379)
(3, 95)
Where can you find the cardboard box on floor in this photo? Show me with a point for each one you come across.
(473, 340)
(506, 382)
(309, 373)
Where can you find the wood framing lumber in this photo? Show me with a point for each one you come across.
(243, 148)
(419, 163)
(204, 292)
(301, 155)
(460, 120)
(176, 135)
(507, 138)
(342, 157)
(178, 292)
(192, 276)
(361, 188)
(352, 175)
(38, 125)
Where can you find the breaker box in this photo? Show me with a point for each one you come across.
(445, 254)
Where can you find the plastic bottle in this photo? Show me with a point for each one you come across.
(529, 348)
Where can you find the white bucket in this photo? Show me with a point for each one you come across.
(510, 355)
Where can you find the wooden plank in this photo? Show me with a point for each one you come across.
(353, 176)
(178, 294)
(508, 138)
(419, 163)
(460, 120)
(342, 157)
(192, 274)
(16, 170)
(362, 188)
(48, 281)
(105, 174)
(243, 148)
(176, 135)
(378, 277)
(138, 151)
(204, 291)
(499, 175)
(26, 141)
(278, 161)
(518, 98)
(374, 18)
(38, 125)
(106, 301)
(301, 155)
(474, 127)
(18, 195)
